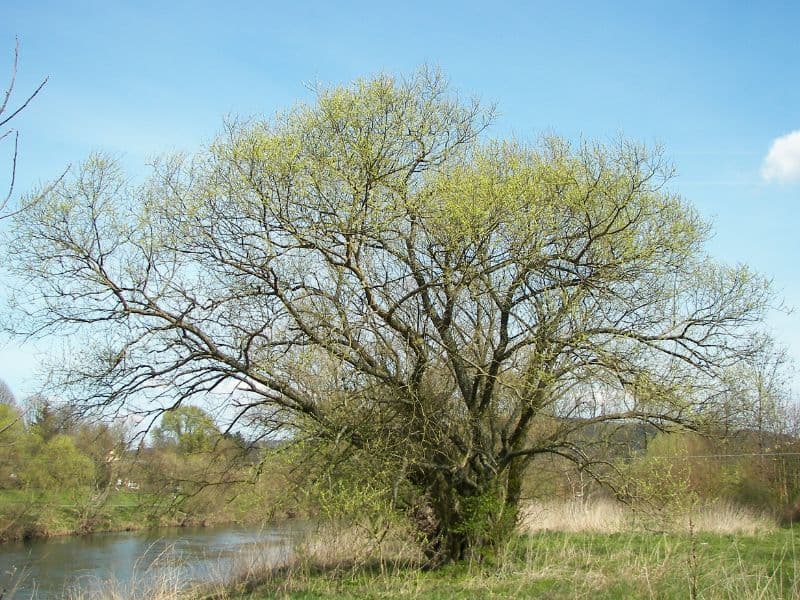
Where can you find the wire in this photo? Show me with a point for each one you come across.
(730, 455)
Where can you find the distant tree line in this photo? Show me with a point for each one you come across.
(51, 455)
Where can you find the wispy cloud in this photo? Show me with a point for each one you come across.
(783, 159)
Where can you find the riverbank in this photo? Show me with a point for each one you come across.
(599, 551)
(150, 564)
(27, 515)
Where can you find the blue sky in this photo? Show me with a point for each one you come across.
(715, 83)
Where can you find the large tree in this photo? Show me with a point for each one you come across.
(377, 278)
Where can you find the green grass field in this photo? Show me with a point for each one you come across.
(575, 565)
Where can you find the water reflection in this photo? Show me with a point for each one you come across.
(137, 561)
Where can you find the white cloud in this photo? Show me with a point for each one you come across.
(783, 160)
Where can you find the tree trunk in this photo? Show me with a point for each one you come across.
(455, 525)
(444, 539)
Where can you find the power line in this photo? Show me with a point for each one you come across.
(731, 455)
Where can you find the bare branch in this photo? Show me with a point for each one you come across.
(4, 120)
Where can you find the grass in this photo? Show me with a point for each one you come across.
(562, 551)
(567, 550)
(575, 565)
(156, 581)
(606, 516)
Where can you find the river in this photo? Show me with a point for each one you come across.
(131, 563)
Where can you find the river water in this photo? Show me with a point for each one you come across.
(134, 563)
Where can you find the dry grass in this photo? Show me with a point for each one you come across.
(330, 546)
(607, 516)
(326, 548)
(168, 578)
(603, 516)
(725, 518)
(159, 580)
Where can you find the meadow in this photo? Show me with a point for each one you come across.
(562, 550)
(572, 550)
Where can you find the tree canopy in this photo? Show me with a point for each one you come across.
(378, 277)
(189, 428)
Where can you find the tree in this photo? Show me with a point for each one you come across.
(757, 394)
(758, 419)
(189, 428)
(387, 287)
(59, 466)
(12, 429)
(6, 395)
(12, 442)
(49, 419)
(7, 113)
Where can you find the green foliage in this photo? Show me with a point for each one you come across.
(339, 485)
(381, 279)
(189, 428)
(59, 465)
(65, 473)
(678, 470)
(12, 424)
(487, 523)
(12, 443)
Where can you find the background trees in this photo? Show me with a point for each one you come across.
(64, 472)
(6, 395)
(189, 428)
(389, 290)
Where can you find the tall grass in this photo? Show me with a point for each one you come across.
(576, 565)
(572, 550)
(602, 516)
(575, 550)
(607, 516)
(160, 579)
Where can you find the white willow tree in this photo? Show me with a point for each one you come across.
(376, 277)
